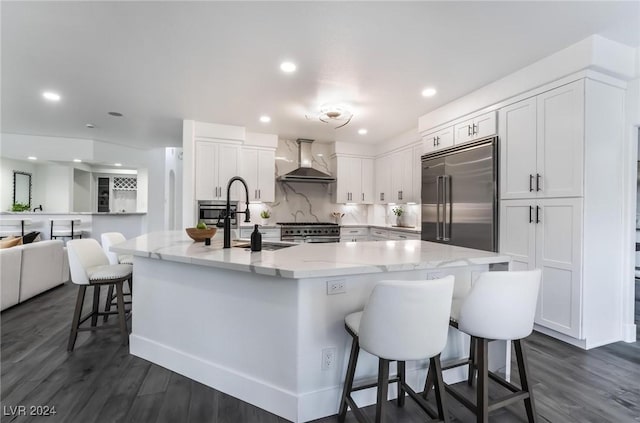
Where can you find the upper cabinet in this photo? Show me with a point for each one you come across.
(215, 164)
(542, 145)
(383, 180)
(474, 129)
(437, 140)
(401, 166)
(257, 167)
(354, 182)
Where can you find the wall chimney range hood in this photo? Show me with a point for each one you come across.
(304, 172)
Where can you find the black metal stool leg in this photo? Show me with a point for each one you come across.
(121, 316)
(523, 369)
(107, 304)
(482, 403)
(428, 383)
(472, 361)
(383, 389)
(96, 305)
(402, 380)
(348, 383)
(436, 369)
(75, 323)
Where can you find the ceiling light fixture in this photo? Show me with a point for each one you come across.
(331, 113)
(117, 164)
(362, 131)
(116, 114)
(265, 119)
(32, 158)
(77, 160)
(288, 67)
(429, 92)
(51, 96)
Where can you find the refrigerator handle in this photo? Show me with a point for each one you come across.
(438, 237)
(446, 207)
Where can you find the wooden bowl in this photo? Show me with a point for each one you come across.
(199, 235)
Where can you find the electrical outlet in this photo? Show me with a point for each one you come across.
(336, 287)
(328, 358)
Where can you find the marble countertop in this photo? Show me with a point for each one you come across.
(308, 260)
(44, 213)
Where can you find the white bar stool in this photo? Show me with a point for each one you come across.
(65, 228)
(13, 227)
(89, 266)
(403, 320)
(499, 306)
(108, 239)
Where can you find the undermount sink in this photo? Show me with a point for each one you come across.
(266, 246)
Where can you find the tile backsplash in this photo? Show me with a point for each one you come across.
(311, 202)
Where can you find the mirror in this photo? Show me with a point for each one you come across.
(22, 188)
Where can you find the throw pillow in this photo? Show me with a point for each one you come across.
(30, 237)
(10, 242)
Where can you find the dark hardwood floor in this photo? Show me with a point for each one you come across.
(101, 382)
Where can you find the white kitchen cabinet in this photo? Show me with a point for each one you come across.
(438, 140)
(542, 145)
(416, 177)
(257, 167)
(377, 234)
(268, 234)
(547, 234)
(354, 234)
(474, 129)
(215, 164)
(402, 176)
(401, 235)
(383, 180)
(355, 181)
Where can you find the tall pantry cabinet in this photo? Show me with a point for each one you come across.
(561, 203)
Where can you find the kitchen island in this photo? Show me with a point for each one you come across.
(268, 327)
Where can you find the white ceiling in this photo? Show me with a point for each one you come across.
(161, 62)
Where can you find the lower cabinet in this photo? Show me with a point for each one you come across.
(351, 234)
(268, 234)
(547, 234)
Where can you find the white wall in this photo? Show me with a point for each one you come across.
(156, 193)
(54, 188)
(7, 166)
(81, 191)
(173, 188)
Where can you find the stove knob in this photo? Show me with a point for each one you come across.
(298, 231)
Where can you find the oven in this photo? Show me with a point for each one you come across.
(309, 232)
(212, 212)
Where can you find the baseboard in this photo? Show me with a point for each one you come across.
(580, 343)
(268, 397)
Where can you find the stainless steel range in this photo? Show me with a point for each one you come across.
(312, 232)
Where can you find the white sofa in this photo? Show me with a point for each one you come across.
(28, 270)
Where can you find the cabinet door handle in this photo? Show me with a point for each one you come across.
(475, 128)
(437, 140)
(469, 130)
(382, 196)
(538, 182)
(363, 196)
(537, 214)
(434, 141)
(259, 194)
(530, 183)
(530, 214)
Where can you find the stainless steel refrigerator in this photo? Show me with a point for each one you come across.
(460, 195)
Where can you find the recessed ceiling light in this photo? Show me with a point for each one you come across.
(32, 158)
(288, 67)
(117, 164)
(362, 131)
(116, 114)
(265, 119)
(90, 125)
(77, 160)
(51, 96)
(429, 92)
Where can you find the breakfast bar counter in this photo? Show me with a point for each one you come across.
(268, 327)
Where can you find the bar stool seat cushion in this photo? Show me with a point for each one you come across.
(125, 259)
(109, 271)
(353, 321)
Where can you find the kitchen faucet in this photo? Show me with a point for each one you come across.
(39, 207)
(228, 214)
